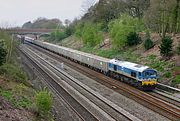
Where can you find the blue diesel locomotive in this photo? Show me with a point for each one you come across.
(138, 75)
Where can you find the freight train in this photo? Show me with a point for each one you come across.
(134, 74)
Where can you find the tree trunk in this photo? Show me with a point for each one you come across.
(176, 16)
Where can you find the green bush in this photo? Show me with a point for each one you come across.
(166, 46)
(43, 102)
(6, 43)
(133, 39)
(148, 44)
(91, 35)
(3, 53)
(120, 28)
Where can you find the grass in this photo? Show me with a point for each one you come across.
(88, 49)
(176, 80)
(160, 65)
(165, 69)
(6, 94)
(107, 53)
(15, 98)
(168, 74)
(177, 68)
(24, 102)
(13, 72)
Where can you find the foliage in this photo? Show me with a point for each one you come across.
(79, 30)
(148, 44)
(91, 35)
(3, 53)
(20, 101)
(166, 46)
(168, 74)
(176, 80)
(69, 30)
(20, 89)
(120, 28)
(12, 72)
(23, 101)
(6, 43)
(58, 35)
(133, 39)
(6, 94)
(43, 101)
(108, 53)
(159, 65)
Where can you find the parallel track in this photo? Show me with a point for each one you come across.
(158, 105)
(162, 96)
(72, 103)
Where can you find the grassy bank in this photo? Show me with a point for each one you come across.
(15, 88)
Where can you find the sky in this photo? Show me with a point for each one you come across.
(17, 12)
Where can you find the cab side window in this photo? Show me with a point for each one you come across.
(133, 74)
(115, 67)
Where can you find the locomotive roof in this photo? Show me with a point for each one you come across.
(129, 65)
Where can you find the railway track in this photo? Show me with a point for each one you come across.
(167, 98)
(72, 103)
(105, 109)
(161, 106)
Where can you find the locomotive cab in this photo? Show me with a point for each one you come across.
(150, 73)
(149, 77)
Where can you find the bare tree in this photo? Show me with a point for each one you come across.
(176, 16)
(87, 5)
(67, 22)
